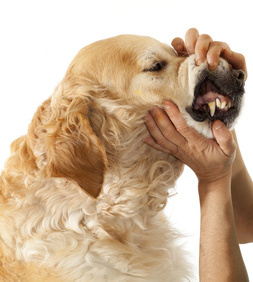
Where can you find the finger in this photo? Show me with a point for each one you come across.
(237, 61)
(187, 133)
(201, 48)
(156, 120)
(224, 138)
(178, 44)
(151, 142)
(167, 128)
(191, 38)
(216, 49)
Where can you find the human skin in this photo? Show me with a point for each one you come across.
(224, 185)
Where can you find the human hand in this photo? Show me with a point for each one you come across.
(206, 49)
(210, 159)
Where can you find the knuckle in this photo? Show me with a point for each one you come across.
(201, 48)
(169, 135)
(159, 120)
(218, 44)
(228, 140)
(205, 37)
(242, 58)
(184, 130)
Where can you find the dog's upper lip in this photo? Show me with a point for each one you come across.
(208, 85)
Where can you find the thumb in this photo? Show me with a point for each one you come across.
(223, 137)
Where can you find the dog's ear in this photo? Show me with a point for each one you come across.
(72, 149)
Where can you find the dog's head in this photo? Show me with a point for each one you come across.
(143, 72)
(107, 90)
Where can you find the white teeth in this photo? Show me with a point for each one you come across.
(212, 108)
(223, 105)
(218, 103)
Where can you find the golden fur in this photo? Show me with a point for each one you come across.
(81, 196)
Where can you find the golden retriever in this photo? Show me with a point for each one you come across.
(81, 196)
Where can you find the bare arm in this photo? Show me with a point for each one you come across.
(242, 196)
(220, 256)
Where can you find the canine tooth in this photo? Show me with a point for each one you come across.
(218, 102)
(223, 104)
(230, 104)
(212, 108)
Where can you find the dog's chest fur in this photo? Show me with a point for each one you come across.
(121, 236)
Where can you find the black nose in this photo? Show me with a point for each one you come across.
(240, 76)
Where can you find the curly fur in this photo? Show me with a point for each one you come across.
(81, 196)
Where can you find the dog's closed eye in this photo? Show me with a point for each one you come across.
(157, 66)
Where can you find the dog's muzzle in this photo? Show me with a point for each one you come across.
(218, 95)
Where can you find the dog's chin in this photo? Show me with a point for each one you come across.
(203, 127)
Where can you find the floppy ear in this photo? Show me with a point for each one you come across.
(72, 149)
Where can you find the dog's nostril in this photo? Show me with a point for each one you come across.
(239, 74)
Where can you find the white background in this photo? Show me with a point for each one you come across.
(40, 38)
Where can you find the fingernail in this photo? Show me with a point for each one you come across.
(218, 125)
(145, 139)
(212, 66)
(147, 117)
(167, 106)
(199, 62)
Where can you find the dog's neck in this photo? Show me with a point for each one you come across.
(138, 177)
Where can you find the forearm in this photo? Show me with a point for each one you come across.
(220, 256)
(242, 196)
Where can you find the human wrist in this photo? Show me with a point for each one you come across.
(218, 188)
(215, 177)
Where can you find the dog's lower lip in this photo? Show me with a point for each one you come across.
(199, 116)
